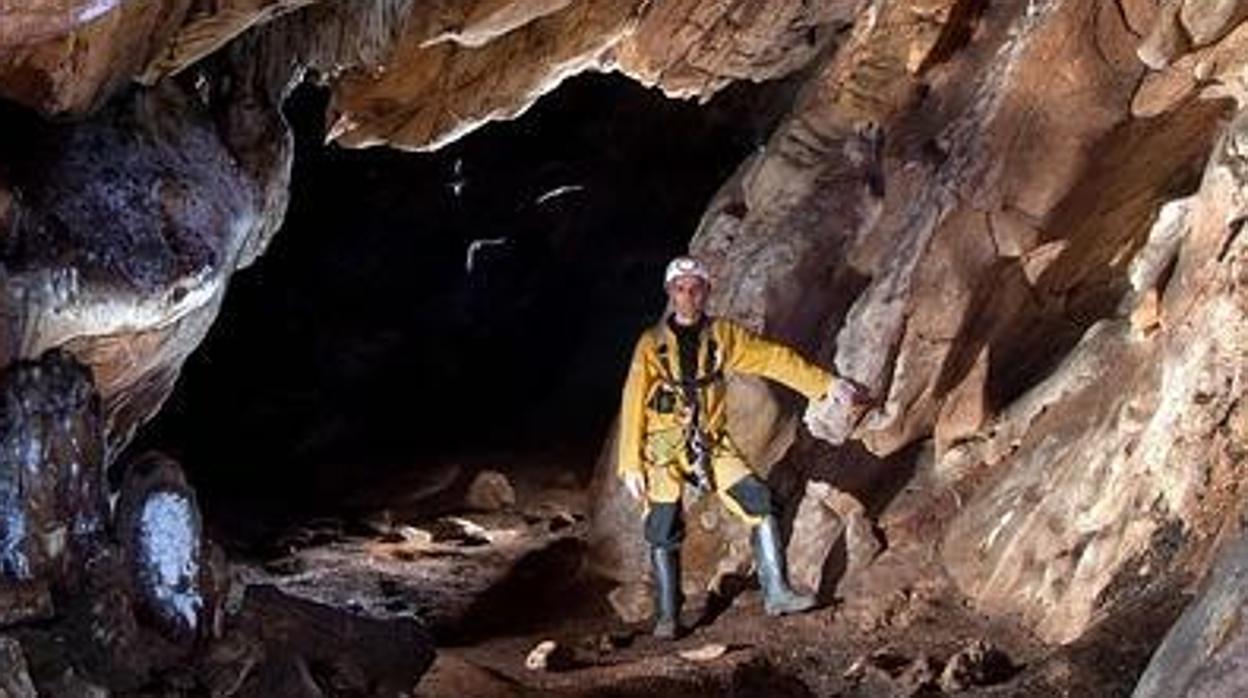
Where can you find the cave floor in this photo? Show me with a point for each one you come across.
(492, 585)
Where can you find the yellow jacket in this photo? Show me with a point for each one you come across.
(655, 371)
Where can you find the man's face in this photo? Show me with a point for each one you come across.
(688, 296)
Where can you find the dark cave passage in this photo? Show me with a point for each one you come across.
(476, 303)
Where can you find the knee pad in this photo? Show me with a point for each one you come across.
(665, 527)
(752, 496)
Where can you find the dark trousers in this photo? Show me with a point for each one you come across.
(665, 526)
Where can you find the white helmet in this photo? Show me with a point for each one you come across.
(685, 266)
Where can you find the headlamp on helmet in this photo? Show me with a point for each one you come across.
(685, 266)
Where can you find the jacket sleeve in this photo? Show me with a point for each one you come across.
(632, 411)
(748, 352)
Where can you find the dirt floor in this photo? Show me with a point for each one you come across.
(494, 585)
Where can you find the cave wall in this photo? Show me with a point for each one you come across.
(120, 232)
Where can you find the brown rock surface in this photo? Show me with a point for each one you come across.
(1167, 39)
(1212, 71)
(490, 491)
(207, 28)
(424, 95)
(996, 205)
(1204, 653)
(1128, 413)
(1207, 21)
(694, 47)
(53, 507)
(70, 56)
(126, 227)
(816, 528)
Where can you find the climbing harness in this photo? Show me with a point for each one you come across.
(698, 446)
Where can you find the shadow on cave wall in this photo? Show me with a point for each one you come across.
(424, 309)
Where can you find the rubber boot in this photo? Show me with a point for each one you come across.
(778, 598)
(666, 562)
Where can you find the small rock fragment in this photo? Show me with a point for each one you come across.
(490, 491)
(548, 655)
(459, 531)
(414, 536)
(631, 602)
(978, 664)
(705, 653)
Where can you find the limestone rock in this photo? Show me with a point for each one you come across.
(861, 543)
(827, 518)
(1211, 72)
(484, 20)
(355, 653)
(966, 408)
(548, 655)
(425, 95)
(1206, 21)
(490, 491)
(632, 603)
(834, 417)
(1152, 425)
(30, 22)
(705, 653)
(206, 29)
(14, 681)
(125, 232)
(58, 56)
(52, 489)
(694, 47)
(977, 664)
(1205, 651)
(1167, 39)
(816, 528)
(457, 531)
(158, 523)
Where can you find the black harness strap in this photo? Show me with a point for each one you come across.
(697, 447)
(711, 370)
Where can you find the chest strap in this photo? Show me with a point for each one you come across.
(711, 370)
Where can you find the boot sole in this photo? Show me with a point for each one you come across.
(788, 610)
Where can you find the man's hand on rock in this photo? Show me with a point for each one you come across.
(833, 417)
